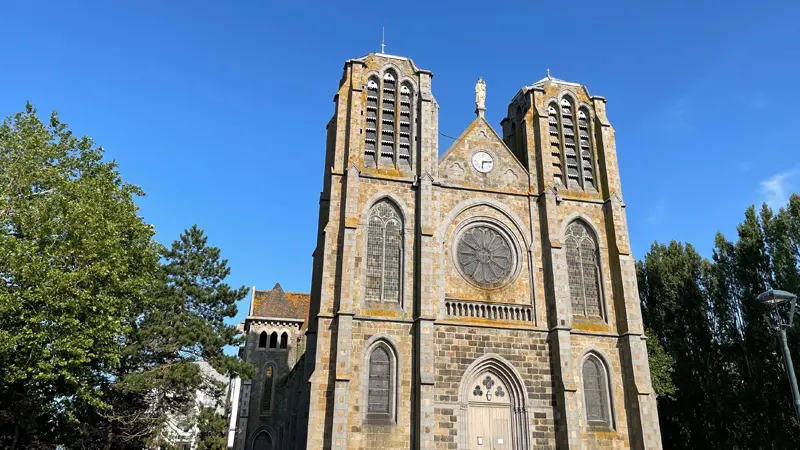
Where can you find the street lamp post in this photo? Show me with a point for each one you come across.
(777, 305)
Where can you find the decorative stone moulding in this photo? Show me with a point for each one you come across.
(491, 311)
(485, 254)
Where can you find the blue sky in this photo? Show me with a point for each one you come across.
(218, 109)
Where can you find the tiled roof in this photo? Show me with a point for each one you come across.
(280, 305)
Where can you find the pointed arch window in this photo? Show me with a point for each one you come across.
(571, 145)
(284, 340)
(555, 143)
(570, 153)
(384, 253)
(586, 152)
(380, 398)
(404, 138)
(584, 270)
(597, 402)
(389, 127)
(266, 395)
(371, 135)
(262, 340)
(388, 108)
(273, 340)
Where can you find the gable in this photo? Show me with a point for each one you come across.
(456, 165)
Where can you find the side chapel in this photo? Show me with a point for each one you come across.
(481, 299)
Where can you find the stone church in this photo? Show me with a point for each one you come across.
(480, 299)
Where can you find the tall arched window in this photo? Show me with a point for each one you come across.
(595, 392)
(571, 148)
(406, 119)
(384, 253)
(266, 395)
(262, 340)
(388, 108)
(584, 270)
(273, 340)
(379, 396)
(587, 155)
(555, 143)
(284, 340)
(371, 135)
(570, 154)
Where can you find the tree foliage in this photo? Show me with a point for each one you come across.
(75, 261)
(730, 386)
(101, 328)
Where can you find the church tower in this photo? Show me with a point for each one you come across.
(484, 299)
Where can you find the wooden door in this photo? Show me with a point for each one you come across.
(489, 427)
(501, 428)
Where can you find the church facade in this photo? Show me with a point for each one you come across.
(483, 299)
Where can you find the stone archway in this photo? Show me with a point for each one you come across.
(493, 407)
(263, 441)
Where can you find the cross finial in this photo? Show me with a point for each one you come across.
(383, 40)
(548, 72)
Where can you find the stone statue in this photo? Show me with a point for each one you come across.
(480, 95)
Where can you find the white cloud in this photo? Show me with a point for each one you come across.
(777, 188)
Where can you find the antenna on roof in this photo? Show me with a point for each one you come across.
(383, 40)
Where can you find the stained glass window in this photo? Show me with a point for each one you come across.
(384, 253)
(595, 392)
(583, 270)
(380, 368)
(266, 396)
(484, 255)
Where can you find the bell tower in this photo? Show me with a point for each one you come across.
(561, 133)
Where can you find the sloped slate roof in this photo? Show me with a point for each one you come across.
(279, 304)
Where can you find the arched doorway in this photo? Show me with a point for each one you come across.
(489, 414)
(493, 405)
(263, 441)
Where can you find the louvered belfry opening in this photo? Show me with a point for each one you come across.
(371, 129)
(571, 155)
(595, 392)
(388, 107)
(555, 143)
(571, 145)
(389, 122)
(587, 154)
(584, 270)
(384, 253)
(380, 383)
(406, 121)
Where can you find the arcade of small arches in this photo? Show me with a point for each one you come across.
(271, 340)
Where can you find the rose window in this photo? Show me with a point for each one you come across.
(484, 255)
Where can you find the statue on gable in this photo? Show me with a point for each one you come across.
(480, 97)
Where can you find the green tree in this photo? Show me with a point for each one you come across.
(76, 261)
(185, 324)
(731, 388)
(213, 429)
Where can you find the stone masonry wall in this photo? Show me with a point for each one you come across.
(527, 351)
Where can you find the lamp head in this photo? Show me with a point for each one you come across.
(778, 307)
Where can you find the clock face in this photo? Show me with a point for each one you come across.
(482, 162)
